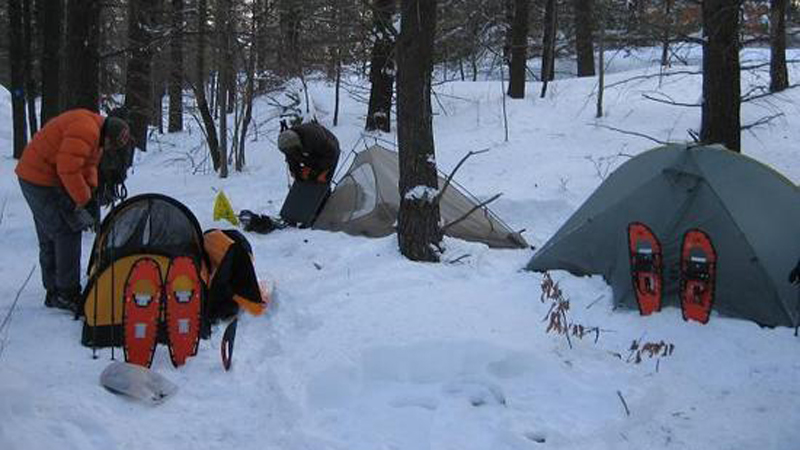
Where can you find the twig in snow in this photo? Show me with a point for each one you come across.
(761, 121)
(670, 101)
(3, 209)
(7, 319)
(624, 403)
(631, 133)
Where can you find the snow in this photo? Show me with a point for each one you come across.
(421, 193)
(364, 349)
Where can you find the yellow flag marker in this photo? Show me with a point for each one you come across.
(223, 209)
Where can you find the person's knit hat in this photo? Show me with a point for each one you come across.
(289, 140)
(117, 131)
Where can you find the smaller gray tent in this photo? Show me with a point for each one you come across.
(366, 201)
(750, 212)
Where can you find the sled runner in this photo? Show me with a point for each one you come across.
(137, 382)
(141, 311)
(304, 202)
(698, 275)
(646, 267)
(183, 308)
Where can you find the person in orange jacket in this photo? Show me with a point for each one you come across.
(57, 175)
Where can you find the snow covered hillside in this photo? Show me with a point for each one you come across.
(365, 350)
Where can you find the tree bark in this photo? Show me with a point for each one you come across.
(176, 72)
(381, 71)
(82, 60)
(519, 49)
(584, 36)
(289, 52)
(720, 122)
(52, 20)
(779, 76)
(418, 232)
(139, 86)
(30, 80)
(549, 45)
(16, 37)
(200, 57)
(223, 10)
(665, 38)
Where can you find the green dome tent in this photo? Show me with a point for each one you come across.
(750, 211)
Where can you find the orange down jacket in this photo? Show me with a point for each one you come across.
(66, 152)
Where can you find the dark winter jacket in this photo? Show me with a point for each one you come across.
(320, 153)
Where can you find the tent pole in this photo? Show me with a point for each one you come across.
(113, 285)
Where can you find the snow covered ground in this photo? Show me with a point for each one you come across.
(366, 350)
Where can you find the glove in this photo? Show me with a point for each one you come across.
(305, 173)
(82, 220)
(794, 275)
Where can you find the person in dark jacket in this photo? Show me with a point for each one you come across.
(311, 152)
(57, 175)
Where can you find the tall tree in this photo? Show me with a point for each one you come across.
(223, 11)
(289, 53)
(176, 69)
(418, 231)
(549, 44)
(519, 49)
(16, 37)
(381, 70)
(779, 76)
(720, 122)
(584, 36)
(30, 79)
(138, 86)
(81, 68)
(52, 20)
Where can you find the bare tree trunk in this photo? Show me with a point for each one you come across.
(82, 59)
(584, 40)
(52, 20)
(176, 72)
(549, 44)
(418, 232)
(508, 9)
(17, 61)
(289, 52)
(665, 39)
(223, 10)
(720, 121)
(200, 68)
(519, 49)
(30, 81)
(381, 71)
(601, 61)
(138, 85)
(779, 76)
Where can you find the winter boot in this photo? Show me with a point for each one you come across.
(68, 299)
(50, 298)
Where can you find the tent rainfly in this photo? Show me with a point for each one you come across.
(750, 212)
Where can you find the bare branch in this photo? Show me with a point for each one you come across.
(468, 213)
(453, 172)
(7, 319)
(655, 75)
(762, 121)
(631, 133)
(670, 101)
(624, 403)
(750, 98)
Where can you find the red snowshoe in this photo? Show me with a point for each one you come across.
(141, 312)
(698, 275)
(646, 267)
(183, 305)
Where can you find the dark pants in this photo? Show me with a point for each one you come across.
(59, 240)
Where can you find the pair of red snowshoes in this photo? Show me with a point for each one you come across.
(698, 270)
(150, 305)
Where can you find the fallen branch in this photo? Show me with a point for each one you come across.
(624, 403)
(631, 133)
(670, 101)
(655, 75)
(750, 98)
(7, 319)
(761, 121)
